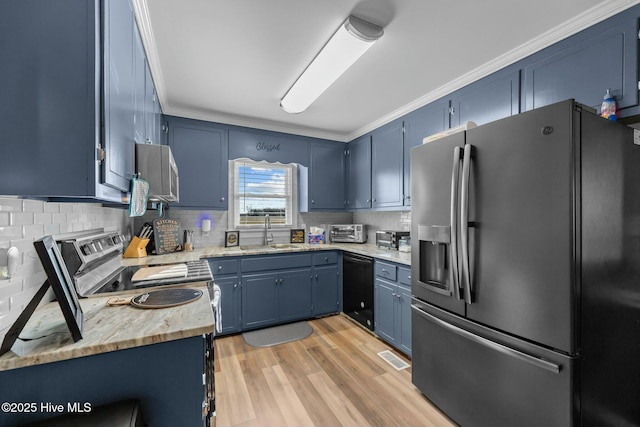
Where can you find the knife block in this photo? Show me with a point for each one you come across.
(137, 248)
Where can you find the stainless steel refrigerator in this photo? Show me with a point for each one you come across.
(526, 271)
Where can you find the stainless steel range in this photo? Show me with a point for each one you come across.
(93, 260)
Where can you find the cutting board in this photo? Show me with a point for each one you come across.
(166, 298)
(160, 272)
(162, 298)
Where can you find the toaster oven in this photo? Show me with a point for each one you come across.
(348, 233)
(389, 239)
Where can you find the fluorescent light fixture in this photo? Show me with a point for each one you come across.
(354, 37)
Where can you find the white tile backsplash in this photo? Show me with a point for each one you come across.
(397, 221)
(24, 220)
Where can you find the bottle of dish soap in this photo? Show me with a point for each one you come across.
(608, 110)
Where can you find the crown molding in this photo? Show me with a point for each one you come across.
(586, 19)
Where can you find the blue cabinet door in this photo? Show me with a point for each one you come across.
(492, 98)
(423, 122)
(259, 300)
(359, 171)
(403, 326)
(387, 177)
(294, 295)
(385, 312)
(139, 90)
(151, 109)
(230, 304)
(326, 180)
(200, 151)
(325, 290)
(585, 66)
(119, 88)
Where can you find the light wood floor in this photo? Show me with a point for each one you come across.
(332, 378)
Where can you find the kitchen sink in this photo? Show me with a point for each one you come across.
(267, 247)
(284, 245)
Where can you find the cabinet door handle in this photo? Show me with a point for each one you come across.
(222, 199)
(219, 267)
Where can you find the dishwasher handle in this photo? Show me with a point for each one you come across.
(360, 259)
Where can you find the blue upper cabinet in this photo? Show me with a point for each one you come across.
(326, 177)
(120, 90)
(492, 98)
(359, 173)
(387, 166)
(584, 66)
(68, 99)
(201, 154)
(425, 121)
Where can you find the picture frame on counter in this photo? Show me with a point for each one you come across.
(231, 238)
(297, 235)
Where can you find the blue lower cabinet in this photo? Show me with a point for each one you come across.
(258, 291)
(259, 300)
(385, 310)
(226, 275)
(271, 298)
(294, 295)
(230, 304)
(392, 300)
(325, 290)
(166, 378)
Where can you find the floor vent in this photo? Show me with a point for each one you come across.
(393, 360)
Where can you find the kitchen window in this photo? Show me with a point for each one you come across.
(261, 188)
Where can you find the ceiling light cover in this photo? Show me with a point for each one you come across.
(354, 37)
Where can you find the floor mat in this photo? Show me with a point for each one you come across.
(277, 334)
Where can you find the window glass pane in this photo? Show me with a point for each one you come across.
(263, 189)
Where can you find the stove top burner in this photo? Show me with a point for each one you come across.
(197, 271)
(93, 258)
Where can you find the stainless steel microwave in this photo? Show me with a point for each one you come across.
(348, 233)
(155, 164)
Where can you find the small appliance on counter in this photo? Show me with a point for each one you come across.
(390, 239)
(348, 233)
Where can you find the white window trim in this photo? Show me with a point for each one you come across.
(234, 199)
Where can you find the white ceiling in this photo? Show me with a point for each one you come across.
(230, 61)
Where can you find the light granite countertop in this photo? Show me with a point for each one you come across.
(107, 329)
(218, 251)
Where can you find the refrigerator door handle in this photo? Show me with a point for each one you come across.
(465, 278)
(533, 360)
(453, 250)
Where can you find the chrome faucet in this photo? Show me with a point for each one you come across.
(267, 225)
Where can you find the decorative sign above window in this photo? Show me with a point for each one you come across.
(268, 146)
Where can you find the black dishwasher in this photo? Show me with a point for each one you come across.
(357, 289)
